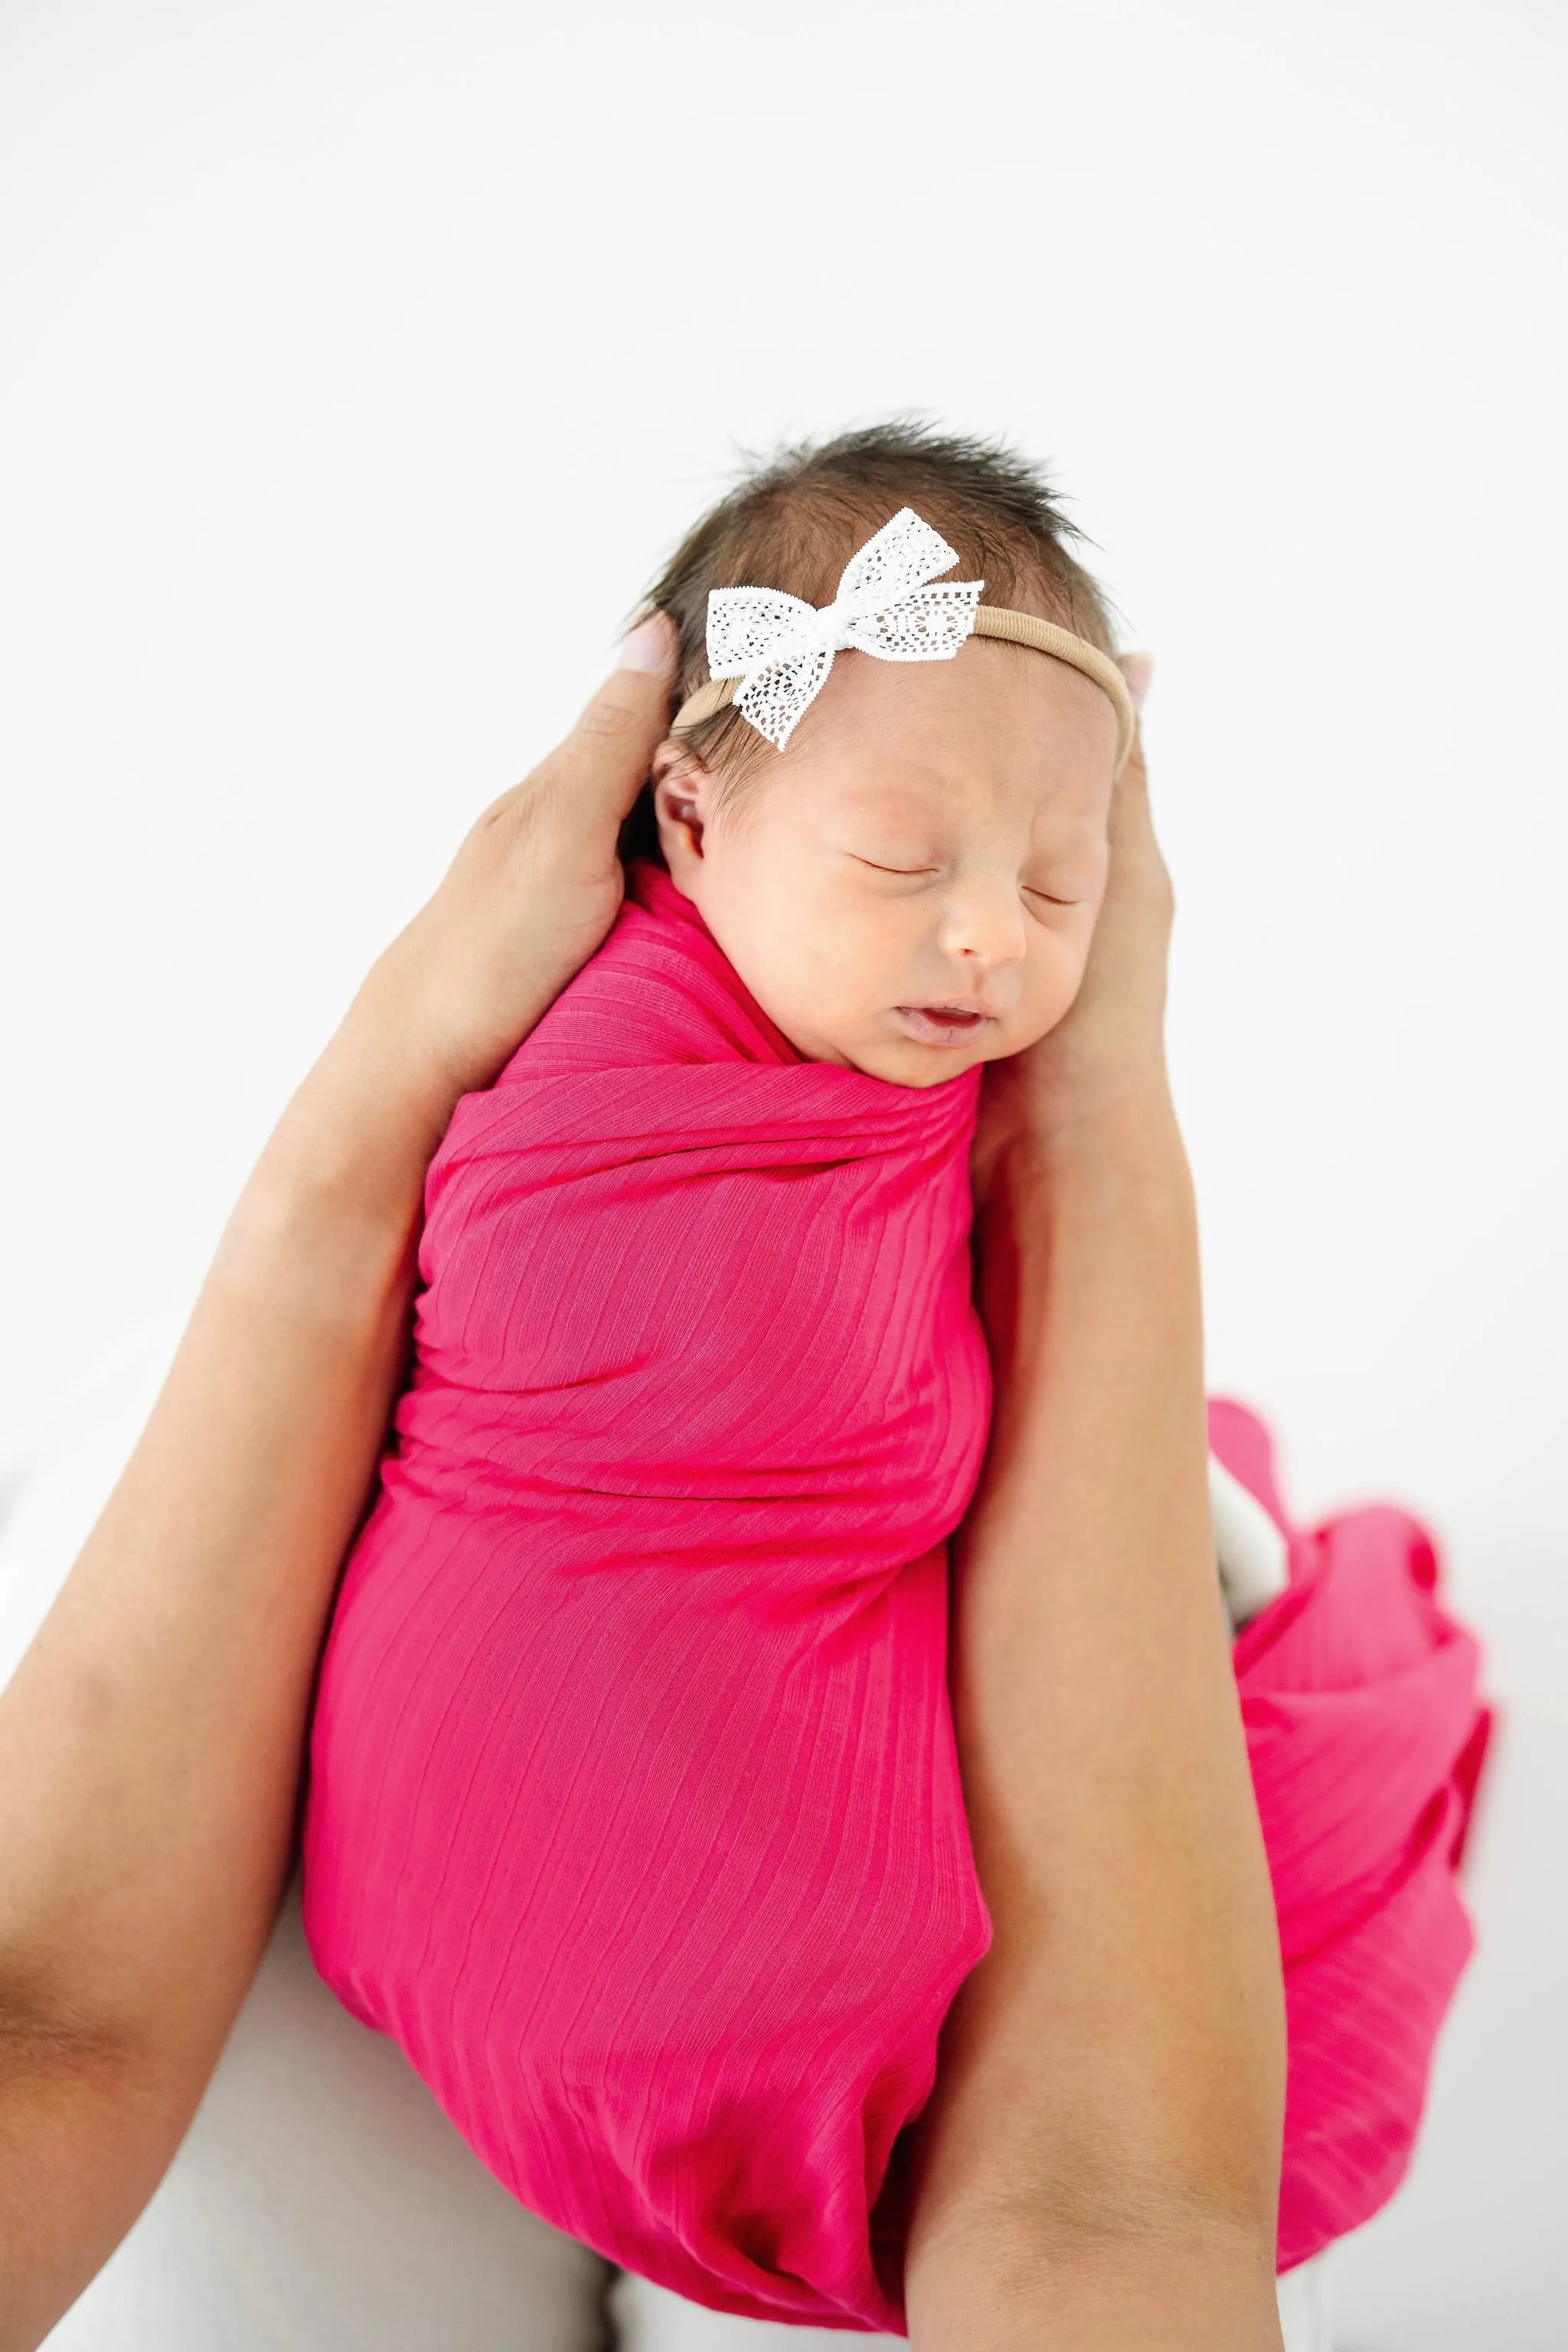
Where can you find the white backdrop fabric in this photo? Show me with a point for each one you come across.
(360, 360)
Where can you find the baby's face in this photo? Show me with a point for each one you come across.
(912, 886)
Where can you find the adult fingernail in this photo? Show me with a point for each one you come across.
(1137, 670)
(650, 645)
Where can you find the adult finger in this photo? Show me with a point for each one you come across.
(603, 763)
(1137, 670)
(1122, 998)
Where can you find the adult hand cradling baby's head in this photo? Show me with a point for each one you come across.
(533, 891)
(1108, 1053)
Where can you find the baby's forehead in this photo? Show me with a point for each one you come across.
(1001, 731)
(947, 798)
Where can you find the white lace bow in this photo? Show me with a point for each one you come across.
(783, 648)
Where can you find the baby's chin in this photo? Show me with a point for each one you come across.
(904, 1062)
(940, 1070)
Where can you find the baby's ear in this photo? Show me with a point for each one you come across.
(682, 800)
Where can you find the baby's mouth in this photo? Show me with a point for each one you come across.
(942, 1025)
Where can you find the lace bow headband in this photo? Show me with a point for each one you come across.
(769, 652)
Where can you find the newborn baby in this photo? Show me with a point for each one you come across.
(635, 1814)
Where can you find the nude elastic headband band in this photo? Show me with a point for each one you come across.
(990, 621)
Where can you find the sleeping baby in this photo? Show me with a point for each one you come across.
(634, 1813)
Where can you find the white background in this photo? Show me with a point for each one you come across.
(358, 364)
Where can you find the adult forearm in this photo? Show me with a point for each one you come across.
(1101, 2155)
(151, 1736)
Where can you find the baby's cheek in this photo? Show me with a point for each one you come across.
(864, 966)
(1055, 974)
(878, 944)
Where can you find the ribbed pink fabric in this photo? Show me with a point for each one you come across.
(1366, 1740)
(634, 1813)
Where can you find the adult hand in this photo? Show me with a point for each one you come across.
(1110, 1046)
(531, 893)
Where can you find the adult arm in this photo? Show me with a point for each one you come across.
(151, 1740)
(1098, 2167)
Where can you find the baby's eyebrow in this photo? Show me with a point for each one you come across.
(901, 820)
(910, 797)
(914, 801)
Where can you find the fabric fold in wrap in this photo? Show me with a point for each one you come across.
(635, 1813)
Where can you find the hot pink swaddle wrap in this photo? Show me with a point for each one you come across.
(635, 1813)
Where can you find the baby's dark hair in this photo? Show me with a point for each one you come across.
(793, 520)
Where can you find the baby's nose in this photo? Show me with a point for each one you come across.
(984, 923)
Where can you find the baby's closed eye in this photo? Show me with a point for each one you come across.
(911, 871)
(1054, 897)
(1056, 890)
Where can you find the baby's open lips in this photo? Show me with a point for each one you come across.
(944, 1025)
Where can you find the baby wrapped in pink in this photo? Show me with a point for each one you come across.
(635, 1813)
